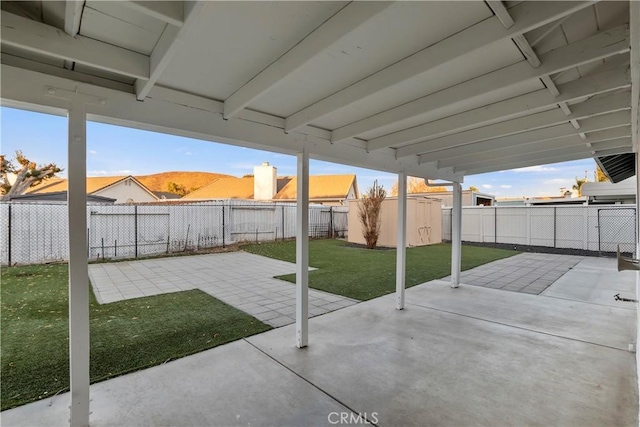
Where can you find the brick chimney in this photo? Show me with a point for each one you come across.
(265, 181)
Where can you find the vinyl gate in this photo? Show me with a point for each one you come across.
(617, 227)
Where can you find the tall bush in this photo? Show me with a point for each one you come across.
(369, 212)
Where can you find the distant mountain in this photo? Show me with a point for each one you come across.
(159, 182)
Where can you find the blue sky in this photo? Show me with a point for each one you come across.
(114, 150)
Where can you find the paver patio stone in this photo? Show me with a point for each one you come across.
(530, 273)
(245, 281)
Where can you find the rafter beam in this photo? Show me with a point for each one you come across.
(72, 16)
(501, 12)
(343, 22)
(584, 110)
(556, 156)
(599, 46)
(171, 12)
(72, 19)
(169, 43)
(519, 106)
(186, 115)
(531, 56)
(476, 159)
(551, 86)
(520, 40)
(35, 37)
(527, 16)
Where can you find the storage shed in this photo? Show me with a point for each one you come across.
(424, 222)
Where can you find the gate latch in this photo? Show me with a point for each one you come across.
(617, 297)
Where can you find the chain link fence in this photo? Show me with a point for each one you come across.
(593, 228)
(35, 233)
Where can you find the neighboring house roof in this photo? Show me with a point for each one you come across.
(225, 188)
(159, 182)
(321, 187)
(59, 196)
(94, 184)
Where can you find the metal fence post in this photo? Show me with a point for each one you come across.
(555, 226)
(135, 228)
(223, 232)
(283, 223)
(331, 222)
(495, 224)
(9, 235)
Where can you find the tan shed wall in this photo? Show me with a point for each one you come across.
(424, 222)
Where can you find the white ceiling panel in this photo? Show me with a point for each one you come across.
(126, 14)
(580, 25)
(233, 41)
(554, 40)
(470, 104)
(457, 71)
(53, 12)
(567, 76)
(385, 39)
(612, 13)
(116, 31)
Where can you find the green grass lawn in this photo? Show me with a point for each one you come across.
(363, 274)
(125, 336)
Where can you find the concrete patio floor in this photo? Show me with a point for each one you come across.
(470, 356)
(240, 279)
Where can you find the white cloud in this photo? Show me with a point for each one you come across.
(93, 152)
(505, 186)
(558, 181)
(536, 169)
(188, 153)
(487, 186)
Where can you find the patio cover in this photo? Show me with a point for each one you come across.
(436, 90)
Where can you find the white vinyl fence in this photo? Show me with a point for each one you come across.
(597, 228)
(36, 233)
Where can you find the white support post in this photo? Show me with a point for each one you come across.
(401, 243)
(456, 235)
(302, 250)
(78, 268)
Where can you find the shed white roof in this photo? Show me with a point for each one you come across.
(622, 188)
(438, 89)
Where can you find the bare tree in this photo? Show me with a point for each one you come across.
(369, 212)
(27, 174)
